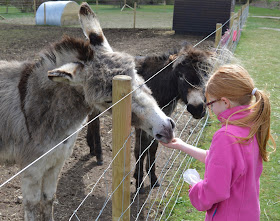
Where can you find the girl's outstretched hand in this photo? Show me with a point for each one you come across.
(193, 151)
(176, 143)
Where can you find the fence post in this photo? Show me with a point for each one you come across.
(34, 8)
(218, 34)
(7, 6)
(232, 17)
(238, 25)
(121, 131)
(45, 16)
(134, 22)
(231, 20)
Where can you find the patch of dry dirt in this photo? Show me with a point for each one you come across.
(81, 172)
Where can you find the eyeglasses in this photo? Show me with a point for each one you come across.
(212, 102)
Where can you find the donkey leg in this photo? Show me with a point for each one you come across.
(138, 173)
(31, 191)
(151, 163)
(49, 187)
(93, 138)
(53, 165)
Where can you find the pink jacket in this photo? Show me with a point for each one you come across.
(230, 189)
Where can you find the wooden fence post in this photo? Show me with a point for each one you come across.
(231, 20)
(218, 34)
(34, 8)
(134, 22)
(238, 24)
(121, 131)
(45, 16)
(7, 6)
(232, 17)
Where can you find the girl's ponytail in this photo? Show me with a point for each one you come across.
(260, 118)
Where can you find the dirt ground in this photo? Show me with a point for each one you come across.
(80, 173)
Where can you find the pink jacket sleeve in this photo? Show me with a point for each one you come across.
(223, 163)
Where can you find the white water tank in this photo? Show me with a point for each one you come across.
(58, 13)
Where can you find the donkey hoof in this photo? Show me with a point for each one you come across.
(99, 162)
(154, 183)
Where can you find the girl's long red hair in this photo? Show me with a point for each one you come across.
(235, 83)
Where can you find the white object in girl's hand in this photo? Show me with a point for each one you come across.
(191, 176)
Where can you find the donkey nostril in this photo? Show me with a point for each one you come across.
(172, 124)
(158, 136)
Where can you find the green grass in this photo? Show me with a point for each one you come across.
(258, 49)
(254, 11)
(100, 9)
(146, 8)
(13, 12)
(147, 16)
(111, 16)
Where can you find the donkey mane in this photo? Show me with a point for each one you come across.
(162, 57)
(67, 45)
(194, 55)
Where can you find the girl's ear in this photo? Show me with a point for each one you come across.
(226, 102)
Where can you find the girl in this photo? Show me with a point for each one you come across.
(233, 164)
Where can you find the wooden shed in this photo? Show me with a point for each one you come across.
(200, 16)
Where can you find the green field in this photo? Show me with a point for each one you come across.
(258, 49)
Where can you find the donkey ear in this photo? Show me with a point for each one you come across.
(91, 27)
(66, 73)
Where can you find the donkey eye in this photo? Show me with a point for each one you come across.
(79, 63)
(180, 75)
(108, 102)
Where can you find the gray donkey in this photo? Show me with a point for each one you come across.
(45, 101)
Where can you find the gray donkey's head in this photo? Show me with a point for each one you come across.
(94, 77)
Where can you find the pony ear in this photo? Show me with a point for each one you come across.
(66, 73)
